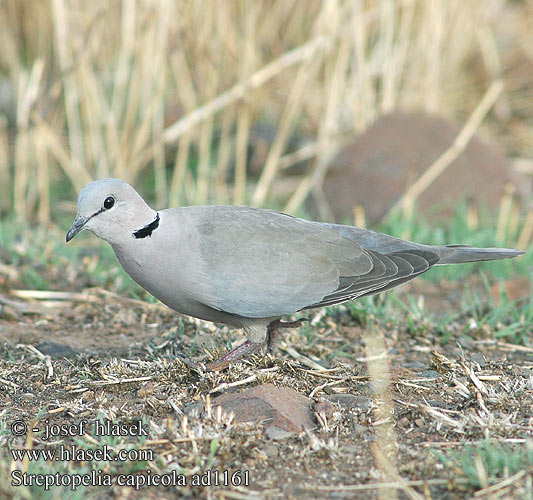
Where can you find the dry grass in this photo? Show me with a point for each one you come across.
(174, 89)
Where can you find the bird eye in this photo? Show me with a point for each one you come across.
(109, 202)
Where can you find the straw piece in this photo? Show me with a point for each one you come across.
(72, 167)
(527, 231)
(300, 54)
(5, 178)
(458, 146)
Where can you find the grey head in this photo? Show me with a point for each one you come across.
(112, 210)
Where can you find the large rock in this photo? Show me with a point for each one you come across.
(378, 166)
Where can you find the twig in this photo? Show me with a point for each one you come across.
(127, 300)
(445, 444)
(33, 350)
(325, 384)
(442, 417)
(175, 407)
(101, 383)
(300, 54)
(514, 347)
(52, 295)
(475, 380)
(245, 495)
(19, 306)
(8, 382)
(227, 385)
(527, 231)
(502, 484)
(301, 358)
(409, 384)
(458, 146)
(382, 355)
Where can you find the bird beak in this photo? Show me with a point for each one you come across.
(77, 226)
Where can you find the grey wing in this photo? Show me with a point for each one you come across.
(265, 264)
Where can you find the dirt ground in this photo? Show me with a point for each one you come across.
(105, 356)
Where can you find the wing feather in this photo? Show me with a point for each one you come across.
(404, 266)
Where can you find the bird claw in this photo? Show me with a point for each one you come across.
(224, 361)
(274, 327)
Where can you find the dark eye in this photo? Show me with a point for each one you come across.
(109, 202)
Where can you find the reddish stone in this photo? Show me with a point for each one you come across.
(281, 407)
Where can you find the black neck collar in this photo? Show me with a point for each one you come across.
(147, 230)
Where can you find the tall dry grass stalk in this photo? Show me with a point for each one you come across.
(174, 91)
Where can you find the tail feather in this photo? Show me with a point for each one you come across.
(459, 254)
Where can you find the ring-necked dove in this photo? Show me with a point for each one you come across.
(247, 267)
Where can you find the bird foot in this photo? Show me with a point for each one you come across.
(234, 355)
(249, 347)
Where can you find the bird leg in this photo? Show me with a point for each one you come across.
(250, 347)
(274, 327)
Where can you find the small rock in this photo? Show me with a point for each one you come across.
(56, 350)
(350, 449)
(466, 341)
(126, 317)
(325, 408)
(146, 390)
(400, 371)
(281, 407)
(27, 397)
(479, 359)
(8, 313)
(365, 389)
(194, 408)
(277, 434)
(369, 438)
(416, 365)
(436, 404)
(350, 401)
(403, 422)
(270, 449)
(429, 374)
(88, 396)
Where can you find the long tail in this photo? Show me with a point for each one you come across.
(459, 254)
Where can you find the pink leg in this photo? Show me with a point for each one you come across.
(249, 347)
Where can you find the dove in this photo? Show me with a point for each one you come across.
(248, 267)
